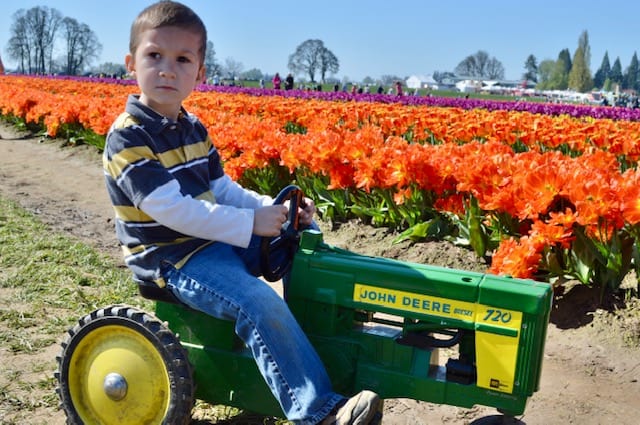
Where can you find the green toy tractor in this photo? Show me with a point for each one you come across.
(400, 329)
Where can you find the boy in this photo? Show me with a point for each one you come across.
(187, 226)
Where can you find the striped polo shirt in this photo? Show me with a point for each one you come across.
(145, 150)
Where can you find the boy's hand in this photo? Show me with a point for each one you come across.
(306, 212)
(268, 221)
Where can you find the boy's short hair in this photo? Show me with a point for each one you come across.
(167, 13)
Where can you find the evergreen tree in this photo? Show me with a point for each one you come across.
(603, 72)
(616, 77)
(532, 69)
(632, 73)
(559, 79)
(565, 55)
(580, 75)
(583, 43)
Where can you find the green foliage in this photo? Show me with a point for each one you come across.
(545, 70)
(566, 150)
(21, 125)
(294, 128)
(380, 209)
(531, 67)
(580, 75)
(632, 74)
(603, 260)
(602, 74)
(75, 135)
(376, 207)
(268, 180)
(615, 76)
(332, 205)
(473, 230)
(437, 228)
(560, 77)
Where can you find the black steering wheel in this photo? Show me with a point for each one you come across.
(276, 253)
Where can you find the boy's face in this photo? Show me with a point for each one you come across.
(167, 67)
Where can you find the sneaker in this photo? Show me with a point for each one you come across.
(364, 408)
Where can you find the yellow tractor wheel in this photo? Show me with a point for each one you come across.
(120, 365)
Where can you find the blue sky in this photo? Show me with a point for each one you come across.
(376, 37)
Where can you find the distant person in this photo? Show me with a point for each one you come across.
(380, 89)
(398, 88)
(261, 83)
(288, 82)
(276, 81)
(1, 66)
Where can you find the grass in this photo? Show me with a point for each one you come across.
(47, 282)
(51, 271)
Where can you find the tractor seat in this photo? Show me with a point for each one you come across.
(151, 291)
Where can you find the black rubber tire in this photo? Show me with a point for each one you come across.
(106, 333)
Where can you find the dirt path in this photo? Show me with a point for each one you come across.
(591, 373)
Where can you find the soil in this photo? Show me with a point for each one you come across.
(591, 371)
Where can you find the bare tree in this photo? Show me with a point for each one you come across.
(33, 35)
(388, 79)
(82, 46)
(328, 63)
(312, 56)
(494, 69)
(19, 46)
(232, 67)
(480, 65)
(43, 24)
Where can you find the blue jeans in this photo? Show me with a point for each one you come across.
(220, 280)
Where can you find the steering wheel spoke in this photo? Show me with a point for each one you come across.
(276, 254)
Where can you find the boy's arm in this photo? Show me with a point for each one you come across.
(228, 192)
(199, 218)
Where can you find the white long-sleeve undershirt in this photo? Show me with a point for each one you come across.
(228, 220)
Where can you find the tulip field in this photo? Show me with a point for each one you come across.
(549, 191)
